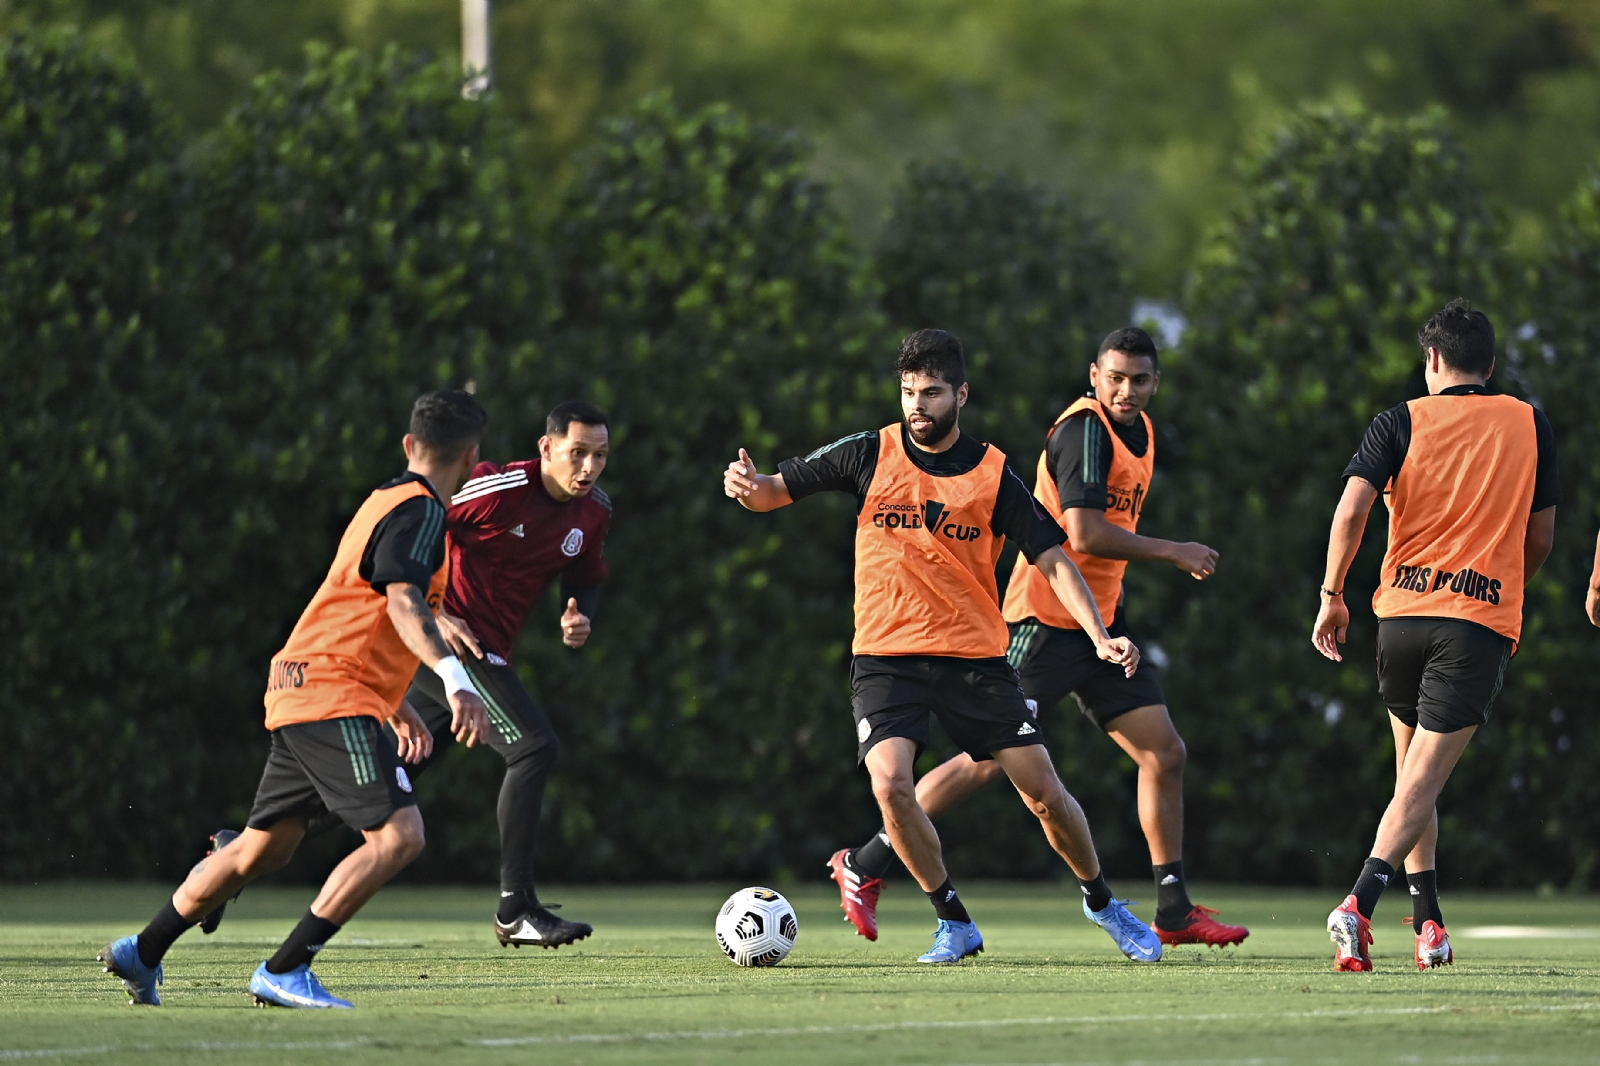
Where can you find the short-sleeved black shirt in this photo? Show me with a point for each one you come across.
(1078, 456)
(847, 465)
(407, 546)
(1388, 439)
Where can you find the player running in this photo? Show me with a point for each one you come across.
(513, 529)
(1093, 477)
(934, 507)
(1472, 491)
(343, 671)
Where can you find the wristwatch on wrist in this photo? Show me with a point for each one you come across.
(1330, 593)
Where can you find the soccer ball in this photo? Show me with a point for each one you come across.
(756, 927)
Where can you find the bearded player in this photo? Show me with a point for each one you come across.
(1093, 478)
(934, 509)
(343, 671)
(1472, 487)
(513, 530)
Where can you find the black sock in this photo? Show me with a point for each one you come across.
(1424, 899)
(873, 858)
(947, 905)
(303, 944)
(1096, 892)
(1375, 877)
(518, 811)
(167, 926)
(515, 902)
(1172, 896)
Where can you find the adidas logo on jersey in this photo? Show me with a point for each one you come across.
(516, 530)
(1026, 729)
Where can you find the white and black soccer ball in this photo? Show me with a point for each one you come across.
(757, 927)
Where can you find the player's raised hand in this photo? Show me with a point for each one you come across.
(1196, 560)
(458, 635)
(574, 625)
(1119, 650)
(469, 717)
(740, 480)
(416, 742)
(1333, 623)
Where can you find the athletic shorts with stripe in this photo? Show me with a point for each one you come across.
(1054, 662)
(517, 726)
(346, 766)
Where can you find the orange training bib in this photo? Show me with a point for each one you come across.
(344, 657)
(1458, 513)
(1029, 595)
(925, 558)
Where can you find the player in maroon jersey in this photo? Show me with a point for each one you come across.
(512, 530)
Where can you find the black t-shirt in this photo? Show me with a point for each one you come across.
(847, 465)
(1388, 439)
(407, 546)
(1078, 456)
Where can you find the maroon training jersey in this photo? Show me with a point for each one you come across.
(509, 539)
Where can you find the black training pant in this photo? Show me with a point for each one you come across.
(521, 734)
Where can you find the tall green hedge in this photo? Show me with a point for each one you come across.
(96, 431)
(209, 354)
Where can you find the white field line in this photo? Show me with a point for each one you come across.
(1528, 932)
(799, 1030)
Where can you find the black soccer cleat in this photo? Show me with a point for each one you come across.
(540, 927)
(219, 840)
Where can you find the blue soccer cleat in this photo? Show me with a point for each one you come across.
(297, 988)
(122, 958)
(1133, 938)
(952, 942)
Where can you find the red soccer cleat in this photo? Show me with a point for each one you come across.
(1203, 929)
(1433, 946)
(857, 897)
(1351, 935)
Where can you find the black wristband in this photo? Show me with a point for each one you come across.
(1330, 593)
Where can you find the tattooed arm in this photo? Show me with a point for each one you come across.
(414, 621)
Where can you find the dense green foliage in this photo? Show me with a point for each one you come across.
(210, 350)
(1028, 282)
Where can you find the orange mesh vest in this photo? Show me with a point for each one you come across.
(1029, 595)
(925, 559)
(344, 657)
(1458, 513)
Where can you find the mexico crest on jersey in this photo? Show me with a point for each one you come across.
(573, 544)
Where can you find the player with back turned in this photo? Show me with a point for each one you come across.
(934, 508)
(513, 529)
(1093, 478)
(1472, 489)
(343, 671)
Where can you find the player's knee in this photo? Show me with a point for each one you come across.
(1171, 757)
(894, 790)
(402, 838)
(536, 760)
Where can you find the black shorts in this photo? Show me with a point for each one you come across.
(517, 727)
(346, 766)
(978, 702)
(1054, 662)
(1441, 674)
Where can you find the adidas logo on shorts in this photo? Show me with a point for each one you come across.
(1026, 729)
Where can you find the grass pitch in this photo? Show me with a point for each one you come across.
(431, 984)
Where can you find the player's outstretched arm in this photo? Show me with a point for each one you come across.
(414, 621)
(1073, 592)
(1091, 533)
(458, 635)
(1349, 522)
(754, 491)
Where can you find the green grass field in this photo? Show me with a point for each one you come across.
(431, 984)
